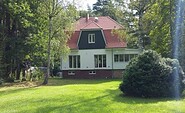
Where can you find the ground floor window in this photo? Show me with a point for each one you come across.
(123, 57)
(71, 73)
(100, 61)
(92, 72)
(74, 61)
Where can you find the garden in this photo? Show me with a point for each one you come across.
(80, 96)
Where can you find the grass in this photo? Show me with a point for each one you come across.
(79, 96)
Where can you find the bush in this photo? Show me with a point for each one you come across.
(1, 81)
(9, 79)
(150, 75)
(36, 74)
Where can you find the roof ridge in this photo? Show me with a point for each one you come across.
(114, 21)
(86, 25)
(96, 24)
(91, 23)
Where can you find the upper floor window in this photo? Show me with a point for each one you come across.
(74, 61)
(91, 38)
(123, 57)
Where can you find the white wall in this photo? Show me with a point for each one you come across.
(122, 65)
(87, 58)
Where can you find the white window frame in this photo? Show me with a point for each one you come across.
(74, 62)
(91, 38)
(100, 61)
(123, 57)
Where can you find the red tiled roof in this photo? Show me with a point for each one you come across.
(72, 42)
(92, 25)
(112, 40)
(104, 22)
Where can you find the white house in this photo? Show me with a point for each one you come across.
(95, 51)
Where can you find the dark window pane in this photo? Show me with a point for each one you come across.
(115, 58)
(104, 61)
(70, 61)
(96, 60)
(78, 61)
(126, 57)
(121, 58)
(74, 61)
(100, 60)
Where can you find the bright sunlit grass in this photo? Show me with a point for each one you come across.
(80, 96)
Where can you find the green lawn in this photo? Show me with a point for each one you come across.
(80, 96)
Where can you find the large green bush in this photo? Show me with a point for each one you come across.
(150, 75)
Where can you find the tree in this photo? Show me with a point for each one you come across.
(136, 12)
(112, 8)
(16, 26)
(150, 75)
(60, 17)
(158, 23)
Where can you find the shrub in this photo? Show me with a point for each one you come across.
(9, 79)
(1, 81)
(150, 75)
(36, 74)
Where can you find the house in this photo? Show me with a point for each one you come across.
(96, 52)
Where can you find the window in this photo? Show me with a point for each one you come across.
(71, 73)
(74, 61)
(127, 58)
(100, 61)
(92, 72)
(91, 38)
(123, 57)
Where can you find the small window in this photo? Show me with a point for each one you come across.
(91, 38)
(92, 72)
(71, 73)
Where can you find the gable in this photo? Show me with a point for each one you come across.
(91, 39)
(102, 27)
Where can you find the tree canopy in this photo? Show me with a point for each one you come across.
(25, 30)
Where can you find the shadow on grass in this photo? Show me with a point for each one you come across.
(82, 105)
(16, 90)
(118, 96)
(62, 82)
(23, 86)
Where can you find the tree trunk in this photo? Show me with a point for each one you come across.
(49, 41)
(49, 49)
(18, 71)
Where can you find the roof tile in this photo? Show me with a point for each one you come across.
(105, 23)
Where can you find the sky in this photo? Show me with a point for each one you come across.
(82, 4)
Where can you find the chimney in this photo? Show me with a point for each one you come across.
(96, 19)
(87, 17)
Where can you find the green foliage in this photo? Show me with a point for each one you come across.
(18, 22)
(36, 74)
(9, 79)
(1, 81)
(160, 17)
(112, 8)
(150, 75)
(25, 24)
